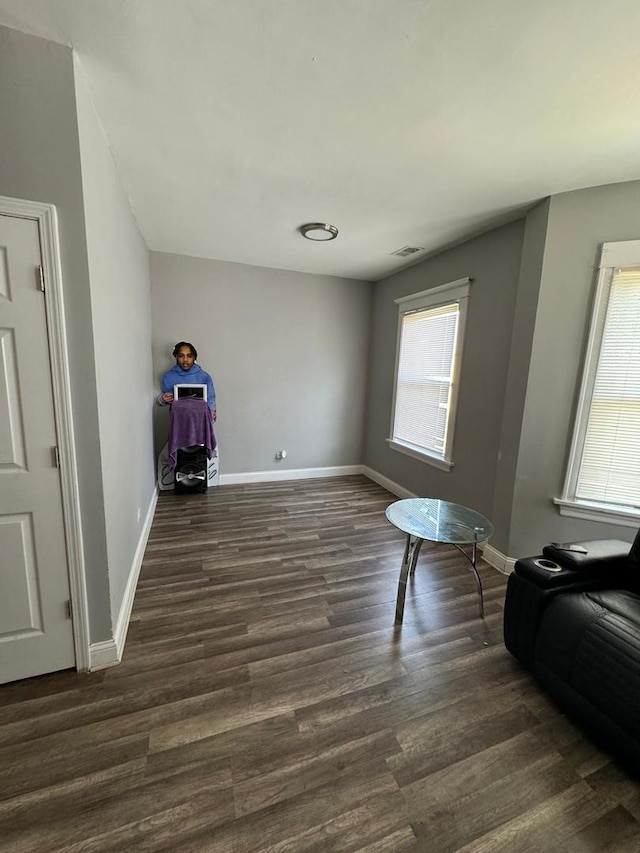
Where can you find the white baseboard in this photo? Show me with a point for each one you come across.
(124, 616)
(497, 559)
(103, 654)
(109, 652)
(289, 474)
(386, 483)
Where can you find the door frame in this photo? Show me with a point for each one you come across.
(46, 217)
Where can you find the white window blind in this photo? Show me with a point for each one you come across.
(609, 470)
(431, 327)
(424, 380)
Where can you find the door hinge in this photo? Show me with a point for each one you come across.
(69, 609)
(40, 278)
(56, 456)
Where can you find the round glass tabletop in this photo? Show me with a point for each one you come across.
(439, 521)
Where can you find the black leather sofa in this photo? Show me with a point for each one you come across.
(572, 616)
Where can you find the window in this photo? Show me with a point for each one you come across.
(429, 350)
(603, 477)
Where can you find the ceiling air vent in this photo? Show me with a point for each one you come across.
(407, 250)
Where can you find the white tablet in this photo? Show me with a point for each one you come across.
(185, 390)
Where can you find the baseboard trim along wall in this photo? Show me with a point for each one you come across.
(290, 474)
(386, 483)
(497, 559)
(311, 473)
(109, 652)
(124, 616)
(103, 654)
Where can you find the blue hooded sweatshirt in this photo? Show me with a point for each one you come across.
(194, 376)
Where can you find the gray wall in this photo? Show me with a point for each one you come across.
(578, 223)
(493, 261)
(121, 309)
(287, 352)
(522, 332)
(41, 162)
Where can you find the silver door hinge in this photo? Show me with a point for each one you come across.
(69, 609)
(40, 277)
(56, 456)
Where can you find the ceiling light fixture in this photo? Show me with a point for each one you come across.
(319, 231)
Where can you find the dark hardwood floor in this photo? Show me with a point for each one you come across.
(267, 703)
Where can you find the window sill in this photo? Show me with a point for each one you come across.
(592, 511)
(418, 453)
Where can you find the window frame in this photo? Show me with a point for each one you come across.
(455, 291)
(612, 256)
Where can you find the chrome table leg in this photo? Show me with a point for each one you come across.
(473, 561)
(414, 558)
(411, 551)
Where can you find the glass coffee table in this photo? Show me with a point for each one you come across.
(436, 521)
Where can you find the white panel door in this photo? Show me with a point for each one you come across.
(36, 633)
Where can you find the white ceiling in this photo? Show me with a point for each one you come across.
(417, 122)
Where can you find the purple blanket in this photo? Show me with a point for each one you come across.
(189, 423)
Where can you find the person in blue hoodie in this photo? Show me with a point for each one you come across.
(187, 370)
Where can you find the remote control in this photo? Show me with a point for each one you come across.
(569, 547)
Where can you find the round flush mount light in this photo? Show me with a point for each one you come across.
(319, 231)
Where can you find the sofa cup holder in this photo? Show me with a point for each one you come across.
(547, 565)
